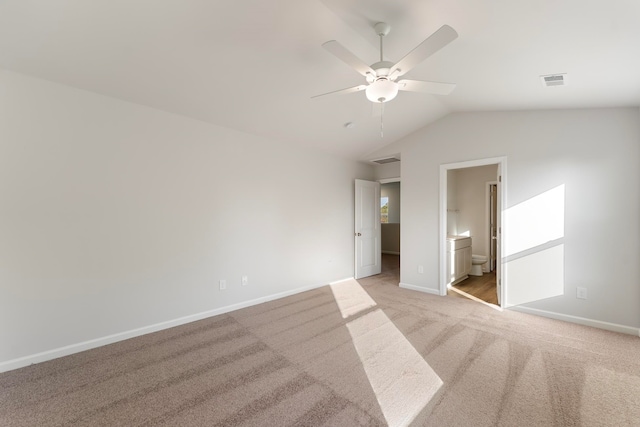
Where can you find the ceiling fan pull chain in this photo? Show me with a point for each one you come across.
(381, 121)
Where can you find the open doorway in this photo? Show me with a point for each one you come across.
(470, 229)
(390, 224)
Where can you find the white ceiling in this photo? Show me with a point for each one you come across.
(253, 65)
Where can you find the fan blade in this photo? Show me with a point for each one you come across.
(343, 91)
(436, 88)
(349, 58)
(431, 45)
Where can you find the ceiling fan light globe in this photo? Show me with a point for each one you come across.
(382, 91)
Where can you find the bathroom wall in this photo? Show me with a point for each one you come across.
(469, 195)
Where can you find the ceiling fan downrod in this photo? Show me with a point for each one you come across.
(382, 29)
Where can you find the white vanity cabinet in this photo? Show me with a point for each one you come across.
(458, 258)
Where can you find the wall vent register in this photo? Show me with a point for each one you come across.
(554, 80)
(386, 160)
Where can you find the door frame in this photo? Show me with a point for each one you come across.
(502, 173)
(488, 223)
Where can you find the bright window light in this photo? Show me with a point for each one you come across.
(537, 276)
(535, 221)
(384, 210)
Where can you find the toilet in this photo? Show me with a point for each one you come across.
(477, 261)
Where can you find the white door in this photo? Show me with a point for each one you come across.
(367, 229)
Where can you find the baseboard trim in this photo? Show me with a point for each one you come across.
(342, 280)
(44, 356)
(579, 320)
(420, 289)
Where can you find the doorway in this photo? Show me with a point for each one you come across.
(390, 225)
(473, 221)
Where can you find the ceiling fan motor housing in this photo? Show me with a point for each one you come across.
(382, 68)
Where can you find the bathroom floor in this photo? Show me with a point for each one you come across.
(482, 287)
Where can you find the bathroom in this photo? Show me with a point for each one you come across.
(471, 205)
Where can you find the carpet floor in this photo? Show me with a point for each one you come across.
(355, 353)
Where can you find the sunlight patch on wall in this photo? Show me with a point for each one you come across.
(536, 276)
(534, 248)
(535, 221)
(401, 379)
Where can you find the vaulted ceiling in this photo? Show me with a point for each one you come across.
(253, 65)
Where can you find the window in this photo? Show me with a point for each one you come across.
(384, 210)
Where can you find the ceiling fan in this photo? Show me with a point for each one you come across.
(381, 76)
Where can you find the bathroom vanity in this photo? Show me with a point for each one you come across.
(458, 258)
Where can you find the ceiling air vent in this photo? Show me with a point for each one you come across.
(386, 160)
(554, 80)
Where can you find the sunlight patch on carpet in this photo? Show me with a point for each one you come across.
(351, 298)
(401, 379)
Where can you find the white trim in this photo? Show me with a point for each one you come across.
(121, 336)
(579, 320)
(487, 199)
(388, 180)
(341, 280)
(420, 289)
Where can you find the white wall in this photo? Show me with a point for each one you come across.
(469, 188)
(592, 155)
(387, 170)
(115, 216)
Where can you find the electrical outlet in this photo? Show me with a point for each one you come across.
(245, 280)
(223, 285)
(420, 269)
(581, 293)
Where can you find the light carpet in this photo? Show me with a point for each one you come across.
(350, 354)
